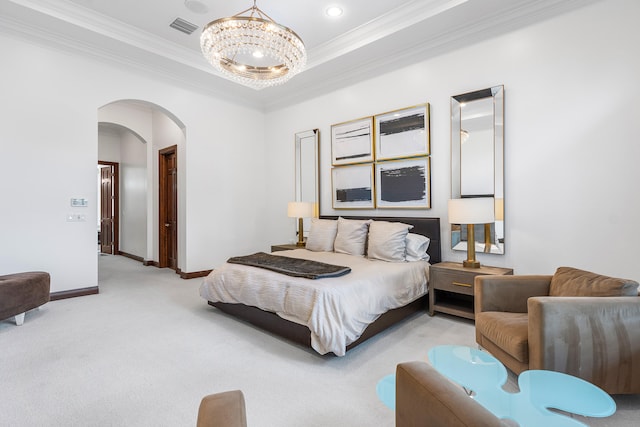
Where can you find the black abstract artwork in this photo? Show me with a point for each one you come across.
(402, 124)
(362, 194)
(403, 184)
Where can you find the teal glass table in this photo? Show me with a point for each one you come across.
(482, 376)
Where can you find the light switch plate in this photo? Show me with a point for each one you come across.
(79, 202)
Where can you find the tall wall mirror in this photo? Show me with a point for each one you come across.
(307, 145)
(477, 162)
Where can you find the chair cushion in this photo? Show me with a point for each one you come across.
(571, 282)
(509, 331)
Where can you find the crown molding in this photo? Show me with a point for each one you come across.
(379, 28)
(94, 22)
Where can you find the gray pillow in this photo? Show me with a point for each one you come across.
(352, 236)
(388, 240)
(322, 235)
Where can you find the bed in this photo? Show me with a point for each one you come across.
(373, 296)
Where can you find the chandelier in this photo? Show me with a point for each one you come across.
(253, 50)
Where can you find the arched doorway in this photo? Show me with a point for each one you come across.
(147, 125)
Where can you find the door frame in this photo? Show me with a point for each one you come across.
(163, 241)
(115, 185)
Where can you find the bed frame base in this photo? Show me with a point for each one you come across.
(300, 334)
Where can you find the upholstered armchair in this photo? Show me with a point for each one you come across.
(577, 322)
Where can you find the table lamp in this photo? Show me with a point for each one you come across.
(471, 211)
(300, 210)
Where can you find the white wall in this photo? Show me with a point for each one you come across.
(571, 138)
(133, 196)
(50, 100)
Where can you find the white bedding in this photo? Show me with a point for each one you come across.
(336, 310)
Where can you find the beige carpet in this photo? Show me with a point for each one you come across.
(147, 348)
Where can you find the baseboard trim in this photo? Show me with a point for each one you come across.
(149, 262)
(193, 274)
(72, 293)
(131, 256)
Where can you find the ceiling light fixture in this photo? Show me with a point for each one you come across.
(196, 6)
(333, 11)
(253, 50)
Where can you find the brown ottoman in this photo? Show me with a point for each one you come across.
(21, 292)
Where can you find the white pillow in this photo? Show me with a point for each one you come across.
(388, 240)
(352, 236)
(417, 246)
(322, 235)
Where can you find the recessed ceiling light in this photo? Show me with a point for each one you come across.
(196, 6)
(334, 11)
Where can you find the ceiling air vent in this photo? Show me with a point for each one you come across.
(184, 26)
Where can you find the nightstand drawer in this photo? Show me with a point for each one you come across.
(454, 283)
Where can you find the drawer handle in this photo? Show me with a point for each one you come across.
(466, 285)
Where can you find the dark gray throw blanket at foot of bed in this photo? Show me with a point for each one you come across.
(295, 267)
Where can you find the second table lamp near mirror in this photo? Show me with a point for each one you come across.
(471, 211)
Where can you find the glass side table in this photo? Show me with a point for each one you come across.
(483, 376)
(386, 391)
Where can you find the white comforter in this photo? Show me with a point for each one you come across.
(336, 310)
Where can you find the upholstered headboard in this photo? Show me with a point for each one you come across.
(429, 227)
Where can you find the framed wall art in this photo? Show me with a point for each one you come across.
(352, 187)
(404, 183)
(352, 142)
(402, 133)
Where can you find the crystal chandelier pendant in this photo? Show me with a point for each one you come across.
(253, 50)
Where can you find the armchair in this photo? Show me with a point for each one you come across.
(576, 322)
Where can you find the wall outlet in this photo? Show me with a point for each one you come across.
(74, 217)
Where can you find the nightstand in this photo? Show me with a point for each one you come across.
(451, 287)
(285, 247)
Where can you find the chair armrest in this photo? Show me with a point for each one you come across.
(508, 293)
(594, 338)
(425, 397)
(222, 409)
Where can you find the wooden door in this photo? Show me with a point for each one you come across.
(108, 207)
(106, 210)
(168, 208)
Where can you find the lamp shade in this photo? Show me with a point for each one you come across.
(478, 210)
(300, 210)
(499, 209)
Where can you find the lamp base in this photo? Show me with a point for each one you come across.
(471, 263)
(300, 241)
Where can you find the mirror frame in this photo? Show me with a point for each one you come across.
(312, 135)
(497, 94)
